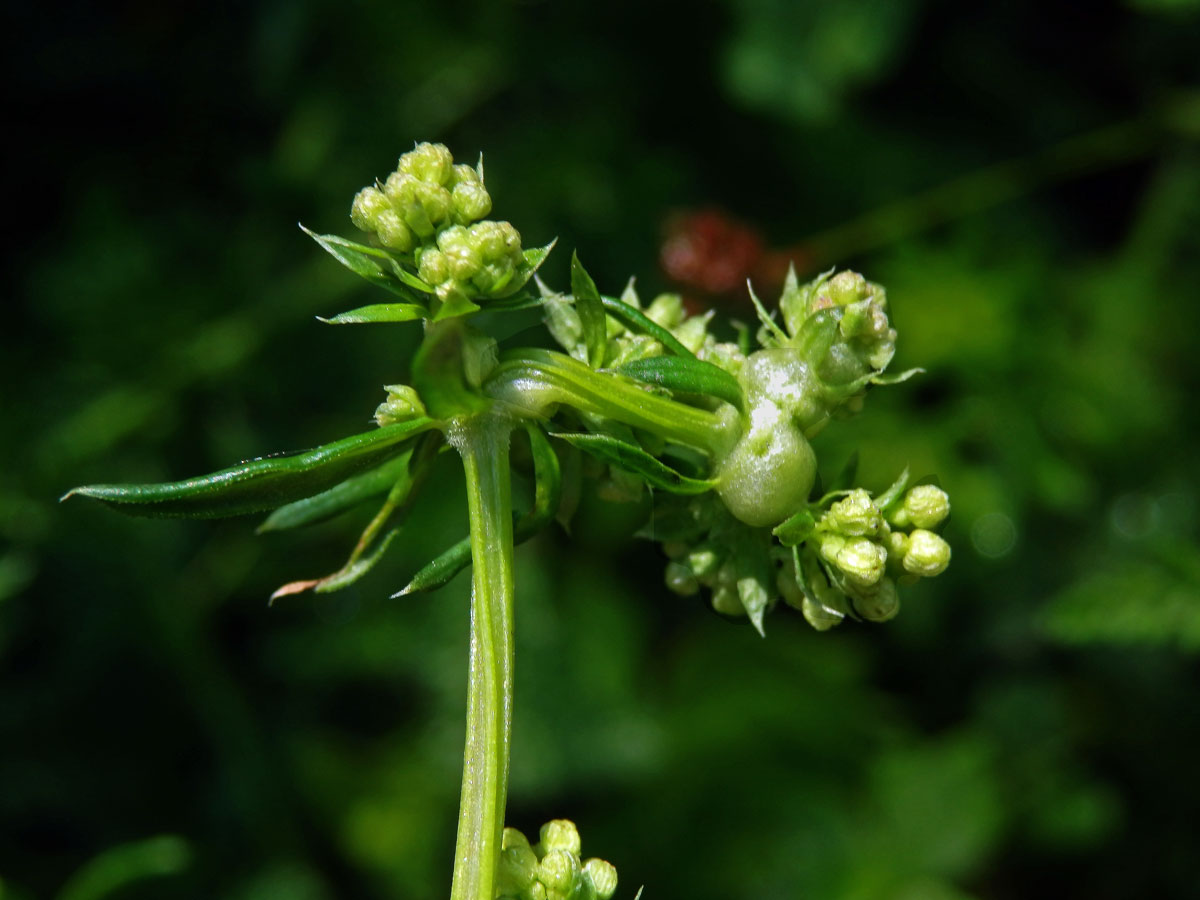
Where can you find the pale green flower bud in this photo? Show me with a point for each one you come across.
(704, 561)
(518, 864)
(854, 515)
(464, 174)
(928, 554)
(897, 545)
(925, 506)
(879, 602)
(368, 204)
(725, 597)
(560, 834)
(847, 287)
(537, 891)
(392, 232)
(692, 331)
(603, 877)
(666, 310)
(490, 239)
(428, 162)
(861, 560)
(433, 267)
(471, 201)
(681, 580)
(401, 405)
(558, 871)
(462, 257)
(819, 616)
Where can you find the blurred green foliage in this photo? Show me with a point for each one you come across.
(1027, 728)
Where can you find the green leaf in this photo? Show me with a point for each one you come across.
(639, 323)
(687, 375)
(379, 312)
(454, 306)
(531, 261)
(889, 497)
(259, 484)
(638, 461)
(355, 570)
(591, 312)
(547, 495)
(797, 529)
(338, 498)
(363, 261)
(896, 378)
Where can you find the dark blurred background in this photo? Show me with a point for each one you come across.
(1024, 177)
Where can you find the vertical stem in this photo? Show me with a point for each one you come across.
(483, 442)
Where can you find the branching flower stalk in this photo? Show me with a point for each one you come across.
(650, 398)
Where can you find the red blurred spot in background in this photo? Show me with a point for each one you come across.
(710, 255)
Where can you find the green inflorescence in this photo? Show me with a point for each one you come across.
(654, 400)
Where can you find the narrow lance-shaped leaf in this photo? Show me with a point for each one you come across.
(547, 496)
(531, 261)
(638, 461)
(340, 497)
(259, 484)
(686, 375)
(379, 313)
(640, 323)
(369, 263)
(591, 311)
(371, 547)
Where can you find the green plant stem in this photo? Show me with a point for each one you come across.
(529, 381)
(483, 442)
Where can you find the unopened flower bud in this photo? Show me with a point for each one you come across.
(368, 204)
(518, 864)
(846, 287)
(704, 560)
(878, 603)
(666, 310)
(897, 545)
(692, 331)
(681, 580)
(392, 232)
(603, 877)
(725, 597)
(428, 162)
(471, 202)
(861, 560)
(820, 617)
(928, 554)
(855, 515)
(561, 834)
(925, 506)
(433, 267)
(401, 405)
(461, 254)
(558, 871)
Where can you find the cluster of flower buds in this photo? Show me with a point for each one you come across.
(863, 341)
(402, 404)
(851, 557)
(865, 549)
(551, 869)
(431, 209)
(625, 346)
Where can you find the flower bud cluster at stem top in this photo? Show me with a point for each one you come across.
(429, 208)
(551, 869)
